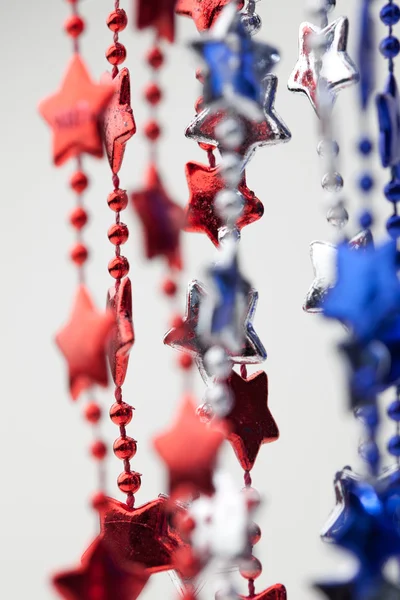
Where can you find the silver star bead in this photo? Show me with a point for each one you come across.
(323, 259)
(323, 61)
(252, 134)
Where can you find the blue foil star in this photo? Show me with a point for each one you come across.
(236, 64)
(388, 107)
(367, 293)
(378, 589)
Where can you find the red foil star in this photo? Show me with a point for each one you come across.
(189, 450)
(139, 535)
(119, 301)
(275, 592)
(98, 578)
(158, 14)
(161, 219)
(204, 184)
(74, 113)
(203, 12)
(83, 342)
(118, 121)
(250, 424)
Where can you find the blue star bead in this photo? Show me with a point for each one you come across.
(366, 54)
(366, 522)
(367, 293)
(235, 63)
(388, 107)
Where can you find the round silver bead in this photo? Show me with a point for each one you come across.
(217, 362)
(231, 169)
(338, 216)
(229, 133)
(332, 182)
(229, 205)
(220, 398)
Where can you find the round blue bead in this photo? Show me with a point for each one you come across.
(393, 411)
(392, 191)
(389, 46)
(366, 219)
(390, 14)
(369, 452)
(393, 226)
(366, 182)
(368, 415)
(394, 445)
(365, 146)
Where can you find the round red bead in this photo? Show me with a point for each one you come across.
(98, 500)
(92, 412)
(155, 57)
(116, 54)
(129, 483)
(250, 568)
(176, 321)
(79, 182)
(78, 218)
(153, 94)
(118, 200)
(185, 361)
(117, 20)
(254, 534)
(98, 450)
(79, 254)
(118, 267)
(125, 448)
(169, 287)
(199, 75)
(152, 130)
(121, 413)
(74, 26)
(118, 234)
(253, 498)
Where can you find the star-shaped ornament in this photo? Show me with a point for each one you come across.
(119, 301)
(201, 216)
(74, 113)
(269, 130)
(159, 15)
(378, 589)
(337, 71)
(203, 12)
(83, 342)
(161, 219)
(139, 535)
(188, 338)
(100, 578)
(323, 258)
(118, 121)
(250, 423)
(235, 64)
(388, 107)
(275, 592)
(189, 450)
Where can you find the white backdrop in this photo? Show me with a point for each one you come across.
(46, 474)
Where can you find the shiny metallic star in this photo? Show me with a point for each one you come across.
(270, 130)
(337, 70)
(187, 337)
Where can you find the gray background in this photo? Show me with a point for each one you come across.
(46, 475)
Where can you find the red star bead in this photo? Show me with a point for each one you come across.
(275, 592)
(83, 342)
(118, 121)
(203, 12)
(119, 301)
(250, 424)
(98, 578)
(158, 14)
(161, 219)
(141, 534)
(189, 450)
(204, 184)
(74, 113)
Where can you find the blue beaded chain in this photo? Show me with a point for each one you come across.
(394, 414)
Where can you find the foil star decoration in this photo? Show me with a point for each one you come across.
(203, 12)
(235, 64)
(74, 113)
(388, 107)
(119, 302)
(161, 219)
(269, 130)
(158, 15)
(83, 342)
(186, 337)
(99, 577)
(139, 535)
(337, 70)
(275, 592)
(378, 589)
(201, 216)
(250, 424)
(366, 521)
(323, 258)
(367, 292)
(118, 121)
(189, 450)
